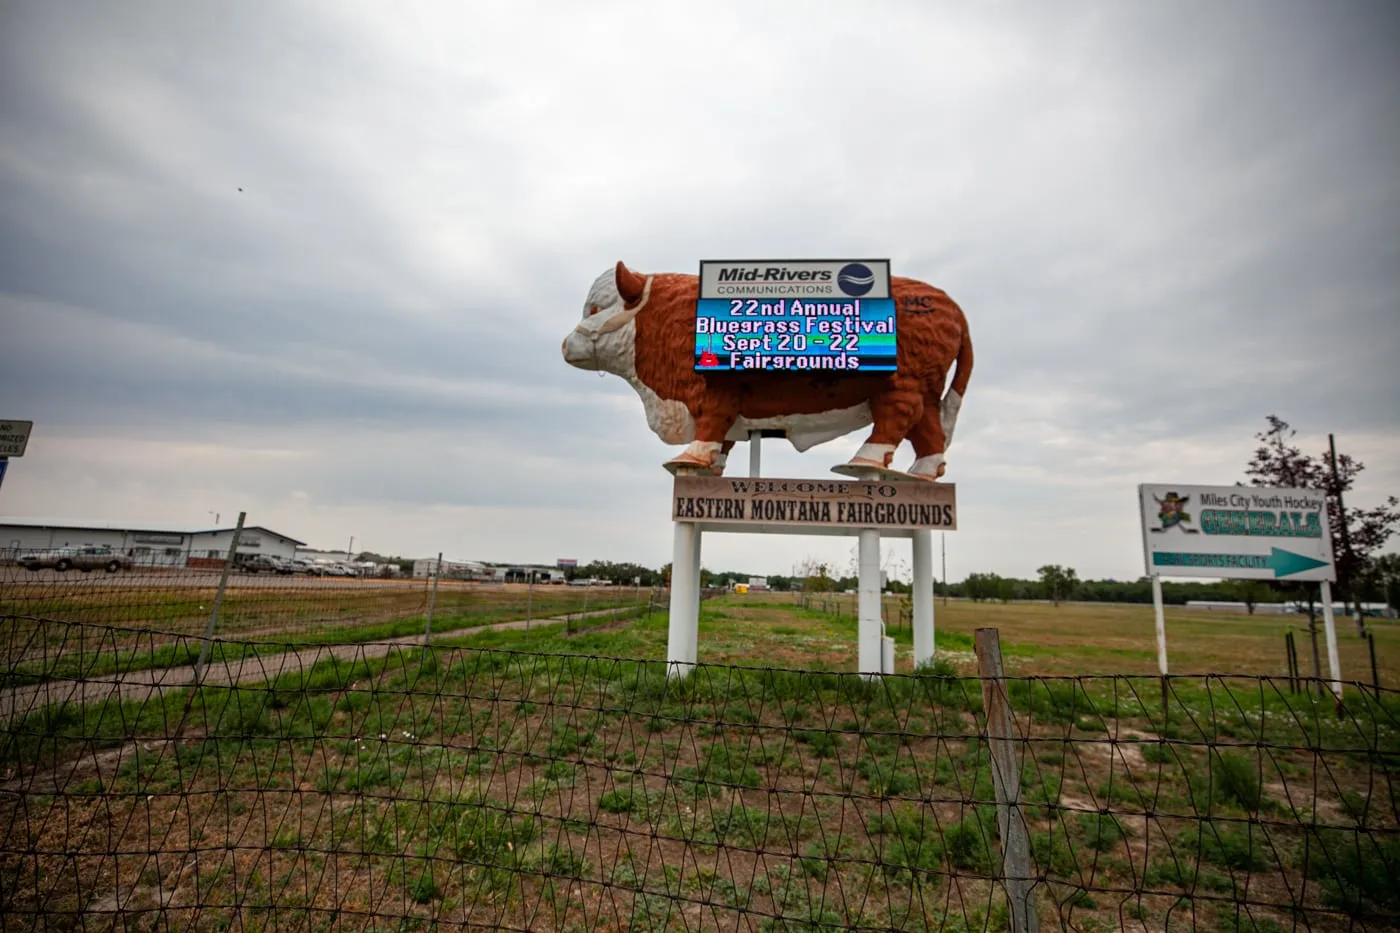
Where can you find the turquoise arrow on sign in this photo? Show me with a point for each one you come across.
(1282, 563)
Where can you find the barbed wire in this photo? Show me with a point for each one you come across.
(375, 785)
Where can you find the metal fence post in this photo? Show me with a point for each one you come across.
(529, 600)
(1016, 872)
(1375, 672)
(218, 601)
(432, 600)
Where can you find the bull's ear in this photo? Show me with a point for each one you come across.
(629, 283)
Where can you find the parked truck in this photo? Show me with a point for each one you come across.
(92, 557)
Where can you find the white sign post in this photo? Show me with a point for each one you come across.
(1238, 533)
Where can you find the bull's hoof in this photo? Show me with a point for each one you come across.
(928, 468)
(861, 468)
(689, 466)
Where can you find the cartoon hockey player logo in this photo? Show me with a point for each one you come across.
(1171, 512)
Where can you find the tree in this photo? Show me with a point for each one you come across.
(1249, 592)
(1357, 533)
(814, 576)
(1058, 582)
(980, 586)
(1383, 580)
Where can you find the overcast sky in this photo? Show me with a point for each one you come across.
(1164, 222)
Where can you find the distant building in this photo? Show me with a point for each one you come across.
(484, 573)
(524, 573)
(147, 543)
(451, 569)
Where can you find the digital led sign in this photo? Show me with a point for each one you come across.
(795, 316)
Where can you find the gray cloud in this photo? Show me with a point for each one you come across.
(1162, 223)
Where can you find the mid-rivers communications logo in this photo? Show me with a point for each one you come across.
(815, 502)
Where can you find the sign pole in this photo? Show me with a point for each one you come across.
(923, 598)
(685, 602)
(871, 642)
(1334, 664)
(692, 645)
(1346, 537)
(755, 451)
(1161, 624)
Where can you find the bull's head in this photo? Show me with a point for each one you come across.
(606, 341)
(606, 338)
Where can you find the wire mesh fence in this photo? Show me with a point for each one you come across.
(390, 786)
(140, 604)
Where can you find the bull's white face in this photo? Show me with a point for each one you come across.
(606, 338)
(606, 341)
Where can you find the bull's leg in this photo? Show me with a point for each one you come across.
(930, 443)
(714, 416)
(722, 458)
(894, 412)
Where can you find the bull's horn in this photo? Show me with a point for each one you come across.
(629, 283)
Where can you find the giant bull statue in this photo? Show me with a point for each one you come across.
(642, 328)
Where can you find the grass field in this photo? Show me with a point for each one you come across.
(148, 617)
(1097, 639)
(524, 780)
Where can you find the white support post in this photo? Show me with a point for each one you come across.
(1334, 664)
(870, 646)
(923, 597)
(685, 598)
(1161, 625)
(755, 451)
(693, 621)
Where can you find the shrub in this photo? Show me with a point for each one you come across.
(616, 801)
(1357, 870)
(1101, 830)
(1238, 780)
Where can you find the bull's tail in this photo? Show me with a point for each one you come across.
(952, 401)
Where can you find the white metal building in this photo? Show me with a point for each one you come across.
(451, 569)
(156, 545)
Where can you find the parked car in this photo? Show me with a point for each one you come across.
(263, 563)
(92, 557)
(338, 570)
(49, 557)
(299, 565)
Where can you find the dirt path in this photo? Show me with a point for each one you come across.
(134, 686)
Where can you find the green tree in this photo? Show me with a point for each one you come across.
(1357, 533)
(1058, 582)
(980, 586)
(1249, 592)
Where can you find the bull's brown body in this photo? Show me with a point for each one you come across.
(933, 337)
(643, 329)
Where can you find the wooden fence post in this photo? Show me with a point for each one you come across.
(1016, 871)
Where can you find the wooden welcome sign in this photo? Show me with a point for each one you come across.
(809, 504)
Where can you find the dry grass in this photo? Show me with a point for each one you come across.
(1101, 639)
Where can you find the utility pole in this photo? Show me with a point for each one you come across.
(943, 541)
(1352, 568)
